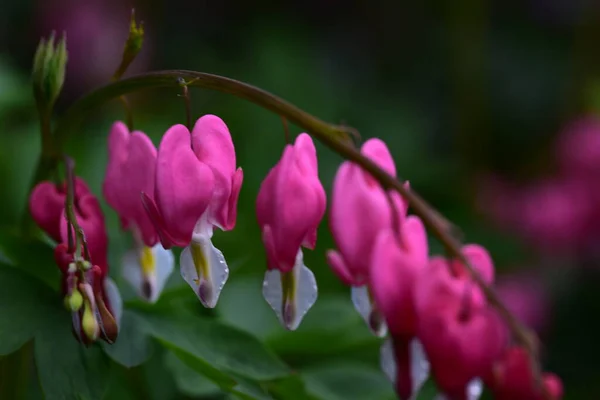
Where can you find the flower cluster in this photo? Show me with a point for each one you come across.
(90, 295)
(436, 318)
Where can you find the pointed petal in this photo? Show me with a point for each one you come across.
(165, 263)
(184, 185)
(114, 299)
(204, 268)
(387, 360)
(362, 303)
(132, 271)
(419, 366)
(304, 296)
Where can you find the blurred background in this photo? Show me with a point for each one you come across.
(489, 108)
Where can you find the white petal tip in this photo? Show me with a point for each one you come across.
(372, 317)
(291, 313)
(207, 288)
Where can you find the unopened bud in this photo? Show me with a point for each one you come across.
(49, 66)
(74, 301)
(133, 45)
(89, 323)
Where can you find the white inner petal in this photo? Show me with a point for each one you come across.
(132, 271)
(362, 304)
(387, 360)
(207, 287)
(419, 366)
(474, 390)
(303, 298)
(114, 298)
(165, 263)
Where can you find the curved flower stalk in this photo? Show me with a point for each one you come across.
(89, 294)
(196, 189)
(439, 308)
(130, 172)
(360, 209)
(290, 205)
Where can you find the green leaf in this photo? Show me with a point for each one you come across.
(23, 305)
(32, 256)
(29, 309)
(188, 380)
(133, 346)
(66, 369)
(217, 345)
(347, 382)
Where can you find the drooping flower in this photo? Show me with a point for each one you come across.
(129, 173)
(90, 295)
(461, 334)
(290, 205)
(399, 255)
(512, 378)
(196, 189)
(360, 209)
(47, 201)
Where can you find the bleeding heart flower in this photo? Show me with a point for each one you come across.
(360, 209)
(290, 205)
(397, 260)
(47, 202)
(512, 379)
(196, 189)
(461, 334)
(92, 297)
(130, 172)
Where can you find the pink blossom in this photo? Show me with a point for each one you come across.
(462, 335)
(196, 188)
(396, 263)
(130, 172)
(512, 379)
(47, 202)
(289, 207)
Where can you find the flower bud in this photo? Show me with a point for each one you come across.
(49, 66)
(89, 323)
(74, 301)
